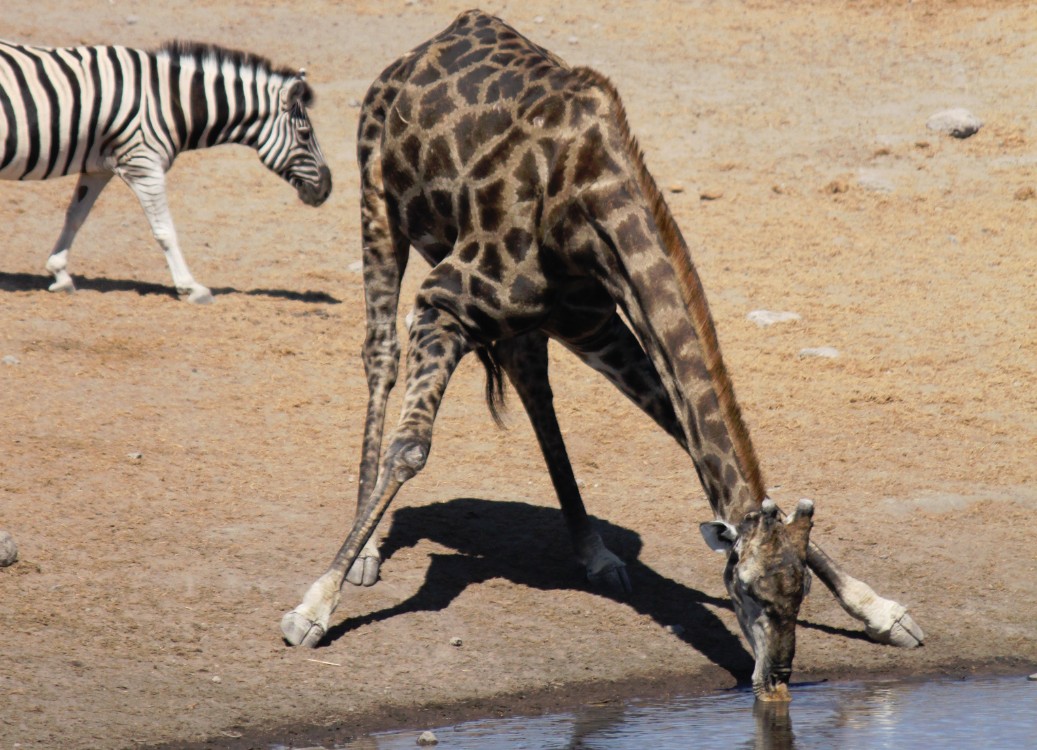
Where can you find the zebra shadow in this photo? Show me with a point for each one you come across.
(27, 282)
(529, 545)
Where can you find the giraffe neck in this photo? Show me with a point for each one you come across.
(680, 330)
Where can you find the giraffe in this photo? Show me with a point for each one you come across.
(517, 178)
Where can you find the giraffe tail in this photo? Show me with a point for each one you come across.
(495, 400)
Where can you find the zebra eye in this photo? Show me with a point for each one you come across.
(303, 134)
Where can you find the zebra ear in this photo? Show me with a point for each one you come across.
(298, 94)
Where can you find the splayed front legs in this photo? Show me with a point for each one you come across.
(437, 344)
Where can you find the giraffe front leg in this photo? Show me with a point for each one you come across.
(437, 344)
(525, 361)
(148, 183)
(885, 620)
(385, 255)
(88, 188)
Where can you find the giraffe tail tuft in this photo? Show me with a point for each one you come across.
(495, 401)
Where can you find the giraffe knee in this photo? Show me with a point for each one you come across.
(406, 458)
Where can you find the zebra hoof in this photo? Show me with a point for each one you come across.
(198, 295)
(63, 284)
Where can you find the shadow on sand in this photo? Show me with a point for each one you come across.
(27, 282)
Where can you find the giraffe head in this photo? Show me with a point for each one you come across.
(291, 150)
(767, 578)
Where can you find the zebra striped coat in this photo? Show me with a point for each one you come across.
(104, 111)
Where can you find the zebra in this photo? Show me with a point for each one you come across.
(99, 111)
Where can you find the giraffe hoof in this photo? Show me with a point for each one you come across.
(301, 631)
(902, 633)
(611, 576)
(365, 570)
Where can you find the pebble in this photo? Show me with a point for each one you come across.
(872, 180)
(764, 318)
(217, 679)
(10, 359)
(135, 456)
(827, 352)
(711, 194)
(1033, 677)
(8, 550)
(427, 738)
(456, 642)
(957, 122)
(356, 266)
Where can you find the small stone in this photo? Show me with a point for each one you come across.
(764, 318)
(870, 179)
(677, 630)
(456, 642)
(217, 679)
(538, 19)
(356, 266)
(574, 40)
(427, 738)
(1033, 677)
(825, 352)
(8, 550)
(10, 359)
(676, 187)
(835, 187)
(135, 456)
(1022, 194)
(958, 122)
(354, 103)
(711, 194)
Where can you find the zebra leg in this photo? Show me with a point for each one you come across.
(149, 185)
(525, 361)
(616, 354)
(437, 343)
(88, 188)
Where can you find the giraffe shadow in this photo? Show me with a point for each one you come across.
(530, 546)
(27, 282)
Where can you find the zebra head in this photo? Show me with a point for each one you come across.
(291, 149)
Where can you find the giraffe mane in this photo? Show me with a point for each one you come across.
(691, 290)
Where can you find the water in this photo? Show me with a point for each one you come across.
(998, 713)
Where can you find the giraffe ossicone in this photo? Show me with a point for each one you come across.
(516, 177)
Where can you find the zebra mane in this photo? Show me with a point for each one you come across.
(201, 51)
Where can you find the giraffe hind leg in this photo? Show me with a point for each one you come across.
(524, 360)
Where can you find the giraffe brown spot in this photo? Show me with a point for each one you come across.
(464, 212)
(527, 178)
(427, 74)
(498, 155)
(411, 148)
(490, 261)
(438, 159)
(443, 202)
(471, 83)
(486, 326)
(517, 242)
(449, 55)
(447, 279)
(475, 56)
(488, 200)
(523, 291)
(435, 106)
(484, 292)
(469, 252)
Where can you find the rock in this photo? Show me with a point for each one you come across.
(1033, 677)
(957, 122)
(10, 359)
(135, 456)
(764, 318)
(427, 738)
(835, 187)
(8, 550)
(711, 194)
(871, 179)
(456, 642)
(676, 187)
(826, 352)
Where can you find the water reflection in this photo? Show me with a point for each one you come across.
(773, 727)
(995, 713)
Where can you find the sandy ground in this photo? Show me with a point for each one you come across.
(146, 603)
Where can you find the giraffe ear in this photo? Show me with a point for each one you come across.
(719, 535)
